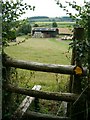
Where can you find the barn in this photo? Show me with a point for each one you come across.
(45, 32)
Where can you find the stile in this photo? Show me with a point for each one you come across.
(25, 105)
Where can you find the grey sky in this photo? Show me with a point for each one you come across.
(48, 8)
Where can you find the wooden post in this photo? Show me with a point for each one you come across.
(88, 95)
(74, 85)
(0, 60)
(71, 81)
(78, 109)
(36, 104)
(78, 35)
(6, 96)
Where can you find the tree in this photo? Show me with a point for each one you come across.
(11, 11)
(35, 25)
(81, 19)
(24, 29)
(82, 12)
(54, 24)
(81, 46)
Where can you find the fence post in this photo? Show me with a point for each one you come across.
(88, 95)
(36, 103)
(71, 80)
(6, 108)
(77, 109)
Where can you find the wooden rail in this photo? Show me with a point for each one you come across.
(38, 116)
(68, 97)
(54, 68)
(24, 105)
(79, 110)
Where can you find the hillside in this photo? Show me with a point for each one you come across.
(49, 19)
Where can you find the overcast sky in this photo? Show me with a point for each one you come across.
(48, 8)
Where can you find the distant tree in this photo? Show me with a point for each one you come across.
(24, 29)
(35, 25)
(54, 24)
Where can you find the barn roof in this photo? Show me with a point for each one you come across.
(44, 29)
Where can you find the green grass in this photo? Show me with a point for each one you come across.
(44, 50)
(60, 24)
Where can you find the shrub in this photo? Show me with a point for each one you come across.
(35, 25)
(24, 29)
(54, 24)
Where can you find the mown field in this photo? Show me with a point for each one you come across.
(60, 24)
(44, 50)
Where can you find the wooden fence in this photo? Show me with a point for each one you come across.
(76, 98)
(62, 69)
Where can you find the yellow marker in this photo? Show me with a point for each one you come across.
(78, 70)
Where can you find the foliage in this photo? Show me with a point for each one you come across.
(81, 18)
(24, 29)
(81, 15)
(54, 24)
(11, 11)
(10, 101)
(35, 25)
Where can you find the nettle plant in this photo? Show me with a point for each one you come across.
(81, 21)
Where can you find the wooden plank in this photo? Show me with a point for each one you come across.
(68, 97)
(54, 68)
(63, 108)
(24, 105)
(39, 116)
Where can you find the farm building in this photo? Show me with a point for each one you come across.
(45, 32)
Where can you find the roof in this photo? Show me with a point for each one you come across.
(44, 29)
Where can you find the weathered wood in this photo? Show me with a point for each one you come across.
(88, 94)
(24, 105)
(78, 33)
(54, 68)
(78, 108)
(63, 108)
(38, 116)
(68, 97)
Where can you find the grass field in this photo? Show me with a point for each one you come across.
(60, 24)
(44, 50)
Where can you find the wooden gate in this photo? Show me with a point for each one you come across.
(77, 98)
